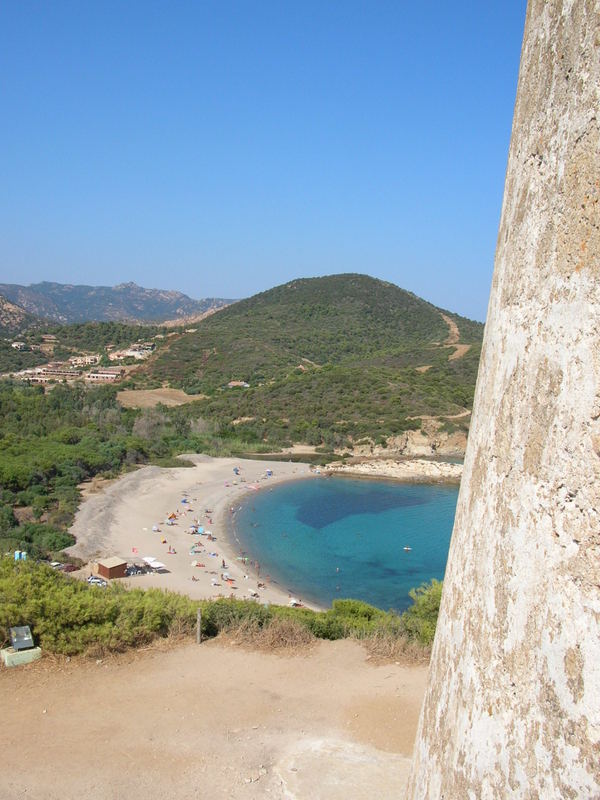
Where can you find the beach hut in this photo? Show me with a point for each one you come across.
(113, 567)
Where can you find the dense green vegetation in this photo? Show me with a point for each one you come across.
(338, 406)
(76, 339)
(12, 360)
(50, 442)
(420, 619)
(69, 617)
(93, 337)
(328, 361)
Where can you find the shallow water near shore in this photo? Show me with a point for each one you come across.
(326, 538)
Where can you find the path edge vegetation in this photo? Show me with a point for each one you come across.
(69, 617)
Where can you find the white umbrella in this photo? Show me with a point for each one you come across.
(148, 559)
(157, 565)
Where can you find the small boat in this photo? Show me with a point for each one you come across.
(407, 549)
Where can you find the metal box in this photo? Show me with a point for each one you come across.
(21, 637)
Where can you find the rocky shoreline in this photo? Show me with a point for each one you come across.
(418, 469)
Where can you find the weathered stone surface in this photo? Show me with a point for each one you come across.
(513, 703)
(15, 658)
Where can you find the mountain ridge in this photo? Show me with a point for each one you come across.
(14, 319)
(125, 302)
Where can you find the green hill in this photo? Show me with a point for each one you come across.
(328, 361)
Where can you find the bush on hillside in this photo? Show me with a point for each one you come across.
(70, 617)
(420, 620)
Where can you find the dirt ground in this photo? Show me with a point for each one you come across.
(454, 338)
(210, 721)
(148, 398)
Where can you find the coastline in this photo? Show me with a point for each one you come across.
(118, 519)
(415, 470)
(234, 544)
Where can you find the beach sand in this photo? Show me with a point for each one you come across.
(118, 521)
(210, 721)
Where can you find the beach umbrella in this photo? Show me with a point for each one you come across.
(158, 565)
(148, 559)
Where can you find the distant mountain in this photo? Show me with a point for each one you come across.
(330, 358)
(14, 319)
(126, 302)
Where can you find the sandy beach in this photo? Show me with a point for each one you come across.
(119, 521)
(121, 517)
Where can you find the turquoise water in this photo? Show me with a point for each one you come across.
(333, 537)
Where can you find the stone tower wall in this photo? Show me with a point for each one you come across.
(513, 704)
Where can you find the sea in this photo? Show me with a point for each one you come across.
(336, 537)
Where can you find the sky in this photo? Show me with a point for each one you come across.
(222, 148)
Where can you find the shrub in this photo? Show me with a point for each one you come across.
(227, 613)
(419, 621)
(69, 617)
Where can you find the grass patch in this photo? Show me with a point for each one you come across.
(172, 461)
(279, 635)
(384, 647)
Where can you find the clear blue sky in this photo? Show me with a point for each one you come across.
(221, 148)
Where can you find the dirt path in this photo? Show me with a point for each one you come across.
(442, 416)
(454, 338)
(210, 722)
